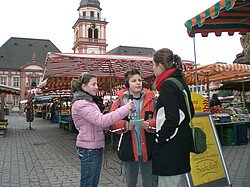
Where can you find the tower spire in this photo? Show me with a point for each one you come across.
(90, 29)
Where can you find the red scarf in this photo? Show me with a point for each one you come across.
(163, 76)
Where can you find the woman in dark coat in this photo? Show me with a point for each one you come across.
(215, 101)
(171, 152)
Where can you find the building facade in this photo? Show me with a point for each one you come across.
(22, 66)
(90, 29)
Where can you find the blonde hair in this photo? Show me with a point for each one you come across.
(166, 57)
(84, 78)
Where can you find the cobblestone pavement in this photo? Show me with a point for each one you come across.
(46, 156)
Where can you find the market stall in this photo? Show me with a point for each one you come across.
(225, 16)
(4, 89)
(61, 68)
(205, 74)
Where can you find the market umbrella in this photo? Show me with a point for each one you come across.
(60, 68)
(4, 89)
(216, 72)
(225, 16)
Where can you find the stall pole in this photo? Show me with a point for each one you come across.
(110, 93)
(208, 91)
(2, 107)
(243, 94)
(195, 64)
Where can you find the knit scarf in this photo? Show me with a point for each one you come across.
(163, 76)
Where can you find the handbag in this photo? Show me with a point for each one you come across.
(199, 136)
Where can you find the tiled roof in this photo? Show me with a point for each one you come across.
(17, 52)
(129, 50)
(90, 3)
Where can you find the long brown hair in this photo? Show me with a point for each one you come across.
(84, 78)
(166, 57)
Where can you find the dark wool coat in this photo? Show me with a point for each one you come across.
(171, 151)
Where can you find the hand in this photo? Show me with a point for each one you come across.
(130, 105)
(129, 126)
(145, 125)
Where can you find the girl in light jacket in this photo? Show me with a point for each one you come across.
(89, 121)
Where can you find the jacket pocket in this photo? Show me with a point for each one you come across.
(149, 115)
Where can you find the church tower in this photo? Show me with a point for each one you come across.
(90, 29)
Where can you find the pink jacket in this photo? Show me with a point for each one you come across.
(89, 121)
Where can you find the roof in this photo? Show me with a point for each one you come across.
(90, 3)
(128, 50)
(17, 52)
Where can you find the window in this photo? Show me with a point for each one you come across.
(96, 33)
(84, 14)
(191, 89)
(90, 33)
(33, 82)
(4, 80)
(194, 89)
(15, 101)
(16, 82)
(92, 14)
(203, 88)
(98, 15)
(199, 89)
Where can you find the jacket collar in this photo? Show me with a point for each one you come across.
(82, 95)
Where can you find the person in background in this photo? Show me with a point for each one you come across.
(52, 112)
(89, 121)
(136, 141)
(215, 101)
(173, 142)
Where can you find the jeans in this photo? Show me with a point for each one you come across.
(172, 181)
(132, 171)
(91, 163)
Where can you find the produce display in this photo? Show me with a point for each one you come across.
(229, 114)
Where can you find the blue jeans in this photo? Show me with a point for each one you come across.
(132, 171)
(91, 163)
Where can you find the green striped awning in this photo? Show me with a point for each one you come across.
(9, 90)
(225, 16)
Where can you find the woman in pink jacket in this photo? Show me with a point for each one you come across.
(89, 121)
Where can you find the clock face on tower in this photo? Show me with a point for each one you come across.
(92, 25)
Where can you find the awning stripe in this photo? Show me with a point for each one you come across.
(233, 12)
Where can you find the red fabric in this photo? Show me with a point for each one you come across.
(119, 126)
(163, 76)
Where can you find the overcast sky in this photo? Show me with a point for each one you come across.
(142, 23)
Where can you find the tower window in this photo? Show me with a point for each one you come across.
(84, 14)
(92, 14)
(90, 33)
(96, 33)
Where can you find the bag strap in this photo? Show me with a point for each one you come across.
(181, 87)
